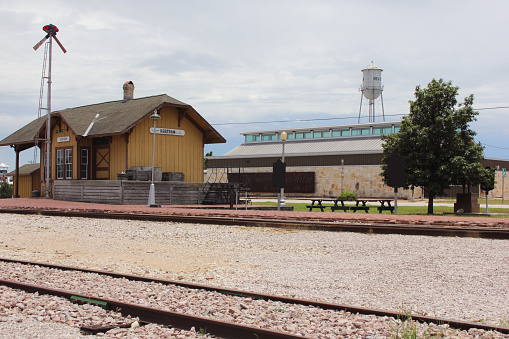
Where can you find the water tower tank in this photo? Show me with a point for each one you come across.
(372, 81)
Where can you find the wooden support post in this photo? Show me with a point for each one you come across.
(126, 136)
(16, 186)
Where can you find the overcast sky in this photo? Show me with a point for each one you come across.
(255, 61)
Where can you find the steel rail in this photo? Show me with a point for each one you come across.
(297, 224)
(153, 315)
(462, 325)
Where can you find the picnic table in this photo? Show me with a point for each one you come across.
(385, 204)
(360, 204)
(317, 203)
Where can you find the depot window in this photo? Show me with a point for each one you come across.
(64, 163)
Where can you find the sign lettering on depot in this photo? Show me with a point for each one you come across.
(63, 139)
(168, 131)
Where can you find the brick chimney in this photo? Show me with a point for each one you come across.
(128, 90)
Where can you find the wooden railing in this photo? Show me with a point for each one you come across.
(127, 192)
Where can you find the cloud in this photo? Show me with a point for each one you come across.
(241, 61)
(183, 62)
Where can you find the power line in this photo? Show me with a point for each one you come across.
(327, 119)
(495, 146)
(296, 120)
(480, 109)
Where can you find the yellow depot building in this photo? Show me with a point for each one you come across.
(105, 141)
(29, 178)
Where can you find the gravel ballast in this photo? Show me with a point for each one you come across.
(456, 278)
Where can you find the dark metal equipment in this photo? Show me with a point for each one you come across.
(396, 171)
(279, 174)
(396, 175)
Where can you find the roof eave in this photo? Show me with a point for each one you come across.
(65, 121)
(218, 157)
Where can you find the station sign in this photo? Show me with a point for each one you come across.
(503, 173)
(168, 131)
(63, 139)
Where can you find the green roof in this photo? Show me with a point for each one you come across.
(115, 117)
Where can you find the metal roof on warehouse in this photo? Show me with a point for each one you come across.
(309, 147)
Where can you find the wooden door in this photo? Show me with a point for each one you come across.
(101, 162)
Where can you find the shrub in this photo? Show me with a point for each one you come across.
(5, 190)
(347, 195)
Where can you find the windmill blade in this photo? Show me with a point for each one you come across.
(40, 42)
(59, 44)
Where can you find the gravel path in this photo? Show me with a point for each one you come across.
(457, 278)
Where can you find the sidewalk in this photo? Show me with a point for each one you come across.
(385, 218)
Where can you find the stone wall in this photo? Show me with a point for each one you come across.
(365, 181)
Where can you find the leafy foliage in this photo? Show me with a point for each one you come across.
(488, 180)
(5, 190)
(347, 195)
(437, 142)
(205, 160)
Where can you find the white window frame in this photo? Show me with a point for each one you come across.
(63, 163)
(84, 163)
(68, 163)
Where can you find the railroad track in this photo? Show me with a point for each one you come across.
(154, 315)
(296, 224)
(214, 327)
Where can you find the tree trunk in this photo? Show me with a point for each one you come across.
(430, 204)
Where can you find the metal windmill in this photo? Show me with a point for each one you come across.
(51, 31)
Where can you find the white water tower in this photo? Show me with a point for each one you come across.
(372, 89)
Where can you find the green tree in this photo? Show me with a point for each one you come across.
(488, 181)
(205, 160)
(5, 190)
(436, 141)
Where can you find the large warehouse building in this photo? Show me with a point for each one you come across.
(320, 161)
